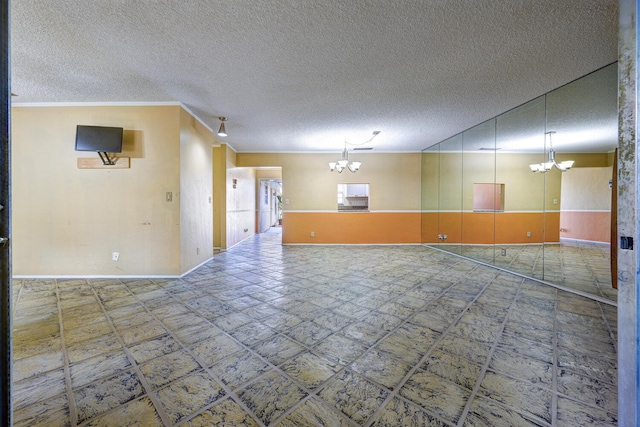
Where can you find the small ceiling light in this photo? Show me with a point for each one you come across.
(546, 166)
(222, 131)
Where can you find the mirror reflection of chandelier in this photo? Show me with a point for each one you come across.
(546, 166)
(344, 162)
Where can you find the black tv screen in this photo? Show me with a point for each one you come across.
(99, 138)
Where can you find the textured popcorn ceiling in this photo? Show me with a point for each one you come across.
(298, 75)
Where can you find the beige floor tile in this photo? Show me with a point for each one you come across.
(381, 368)
(252, 333)
(165, 369)
(37, 364)
(84, 333)
(28, 347)
(140, 412)
(53, 412)
(488, 413)
(409, 343)
(308, 333)
(572, 413)
(310, 369)
(524, 367)
(239, 368)
(155, 347)
(188, 395)
(92, 347)
(224, 413)
(89, 370)
(145, 331)
(37, 389)
(271, 395)
(456, 369)
(440, 397)
(195, 333)
(314, 412)
(82, 315)
(214, 349)
(400, 412)
(354, 396)
(182, 320)
(106, 394)
(340, 349)
(529, 398)
(363, 332)
(278, 350)
(588, 390)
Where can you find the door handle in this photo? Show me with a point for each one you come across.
(4, 241)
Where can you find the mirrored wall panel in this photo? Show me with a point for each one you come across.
(530, 190)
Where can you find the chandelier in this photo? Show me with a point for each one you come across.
(546, 166)
(344, 162)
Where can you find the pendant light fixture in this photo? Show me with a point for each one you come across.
(546, 166)
(222, 131)
(344, 163)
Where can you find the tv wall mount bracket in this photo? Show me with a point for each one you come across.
(106, 160)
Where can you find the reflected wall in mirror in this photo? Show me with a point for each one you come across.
(353, 197)
(553, 226)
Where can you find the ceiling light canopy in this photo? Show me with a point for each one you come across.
(222, 131)
(546, 166)
(344, 163)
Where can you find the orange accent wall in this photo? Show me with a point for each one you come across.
(430, 227)
(552, 227)
(593, 226)
(479, 228)
(351, 227)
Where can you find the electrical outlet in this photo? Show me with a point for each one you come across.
(528, 234)
(115, 256)
(313, 234)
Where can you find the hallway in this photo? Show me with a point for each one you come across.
(266, 334)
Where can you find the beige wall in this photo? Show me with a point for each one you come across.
(587, 189)
(68, 221)
(196, 191)
(586, 204)
(394, 179)
(311, 215)
(448, 179)
(220, 196)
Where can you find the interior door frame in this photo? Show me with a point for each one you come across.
(5, 222)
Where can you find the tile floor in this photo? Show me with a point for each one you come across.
(582, 266)
(306, 336)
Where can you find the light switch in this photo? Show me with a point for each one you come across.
(169, 197)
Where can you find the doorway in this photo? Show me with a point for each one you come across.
(269, 205)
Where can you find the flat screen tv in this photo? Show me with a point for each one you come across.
(101, 139)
